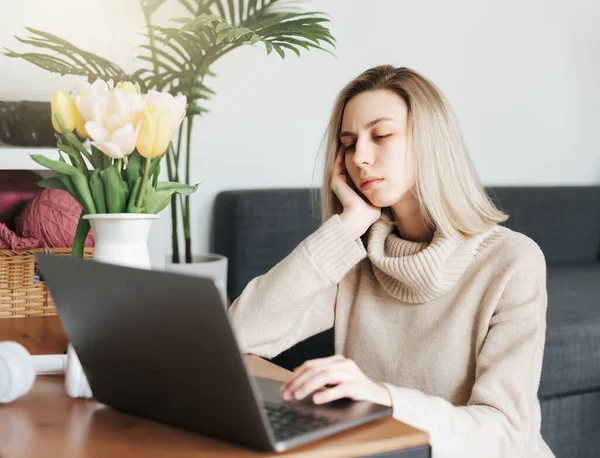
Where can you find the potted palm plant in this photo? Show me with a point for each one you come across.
(178, 59)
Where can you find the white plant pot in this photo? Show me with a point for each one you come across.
(122, 239)
(208, 265)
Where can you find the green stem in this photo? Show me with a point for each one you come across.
(177, 173)
(169, 157)
(83, 227)
(174, 233)
(72, 140)
(174, 225)
(152, 44)
(186, 221)
(173, 174)
(142, 194)
(179, 198)
(75, 158)
(181, 203)
(176, 158)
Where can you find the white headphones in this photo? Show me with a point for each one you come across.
(18, 370)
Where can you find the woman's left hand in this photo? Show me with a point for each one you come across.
(349, 381)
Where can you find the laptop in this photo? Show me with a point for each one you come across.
(160, 345)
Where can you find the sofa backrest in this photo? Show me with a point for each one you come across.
(563, 220)
(257, 228)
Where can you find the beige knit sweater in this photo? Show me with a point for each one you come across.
(455, 330)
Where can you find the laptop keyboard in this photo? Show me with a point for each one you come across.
(287, 422)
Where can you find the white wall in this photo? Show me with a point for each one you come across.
(522, 76)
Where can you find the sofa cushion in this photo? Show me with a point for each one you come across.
(570, 425)
(572, 352)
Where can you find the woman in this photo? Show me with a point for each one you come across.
(438, 310)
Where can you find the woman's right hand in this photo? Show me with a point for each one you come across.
(358, 214)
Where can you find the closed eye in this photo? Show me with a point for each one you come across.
(377, 137)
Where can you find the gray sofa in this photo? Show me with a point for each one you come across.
(255, 229)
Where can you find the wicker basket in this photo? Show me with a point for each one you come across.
(20, 295)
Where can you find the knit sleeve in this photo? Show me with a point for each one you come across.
(296, 298)
(502, 417)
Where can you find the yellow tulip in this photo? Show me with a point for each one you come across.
(156, 132)
(80, 125)
(63, 105)
(128, 87)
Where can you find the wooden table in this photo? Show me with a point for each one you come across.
(47, 423)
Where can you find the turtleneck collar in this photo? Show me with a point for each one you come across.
(417, 272)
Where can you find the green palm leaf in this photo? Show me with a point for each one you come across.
(67, 59)
(278, 28)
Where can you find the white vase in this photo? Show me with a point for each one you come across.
(122, 239)
(208, 265)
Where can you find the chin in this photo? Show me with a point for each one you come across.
(386, 200)
(378, 201)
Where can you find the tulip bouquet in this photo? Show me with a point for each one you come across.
(129, 132)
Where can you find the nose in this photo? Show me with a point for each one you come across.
(364, 153)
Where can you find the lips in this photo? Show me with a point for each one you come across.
(366, 180)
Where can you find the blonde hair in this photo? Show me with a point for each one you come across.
(447, 187)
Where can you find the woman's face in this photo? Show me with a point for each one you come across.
(376, 143)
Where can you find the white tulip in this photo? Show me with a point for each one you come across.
(114, 121)
(165, 101)
(87, 95)
(119, 143)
